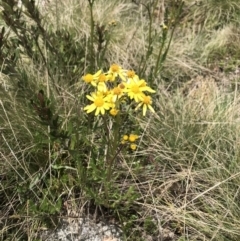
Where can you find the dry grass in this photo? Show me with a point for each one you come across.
(196, 184)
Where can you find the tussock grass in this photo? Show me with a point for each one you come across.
(197, 179)
(223, 45)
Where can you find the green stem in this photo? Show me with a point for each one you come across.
(91, 36)
(112, 151)
(150, 41)
(107, 157)
(161, 58)
(160, 51)
(113, 147)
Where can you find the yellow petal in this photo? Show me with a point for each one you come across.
(90, 108)
(98, 73)
(90, 97)
(138, 106)
(97, 111)
(150, 108)
(144, 109)
(147, 88)
(102, 111)
(122, 77)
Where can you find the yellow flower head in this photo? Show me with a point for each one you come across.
(116, 71)
(117, 93)
(91, 78)
(133, 138)
(136, 87)
(102, 78)
(124, 139)
(146, 103)
(88, 78)
(130, 74)
(100, 103)
(133, 146)
(113, 112)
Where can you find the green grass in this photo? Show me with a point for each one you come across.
(183, 180)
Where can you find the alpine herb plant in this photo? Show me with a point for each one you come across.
(118, 95)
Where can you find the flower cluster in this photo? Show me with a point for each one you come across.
(112, 88)
(131, 139)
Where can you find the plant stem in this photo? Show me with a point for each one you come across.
(113, 147)
(91, 36)
(150, 39)
(161, 58)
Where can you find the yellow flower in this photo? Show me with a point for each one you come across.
(124, 139)
(100, 103)
(99, 81)
(117, 93)
(102, 78)
(133, 137)
(130, 139)
(130, 74)
(113, 112)
(133, 146)
(135, 89)
(146, 104)
(116, 70)
(91, 78)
